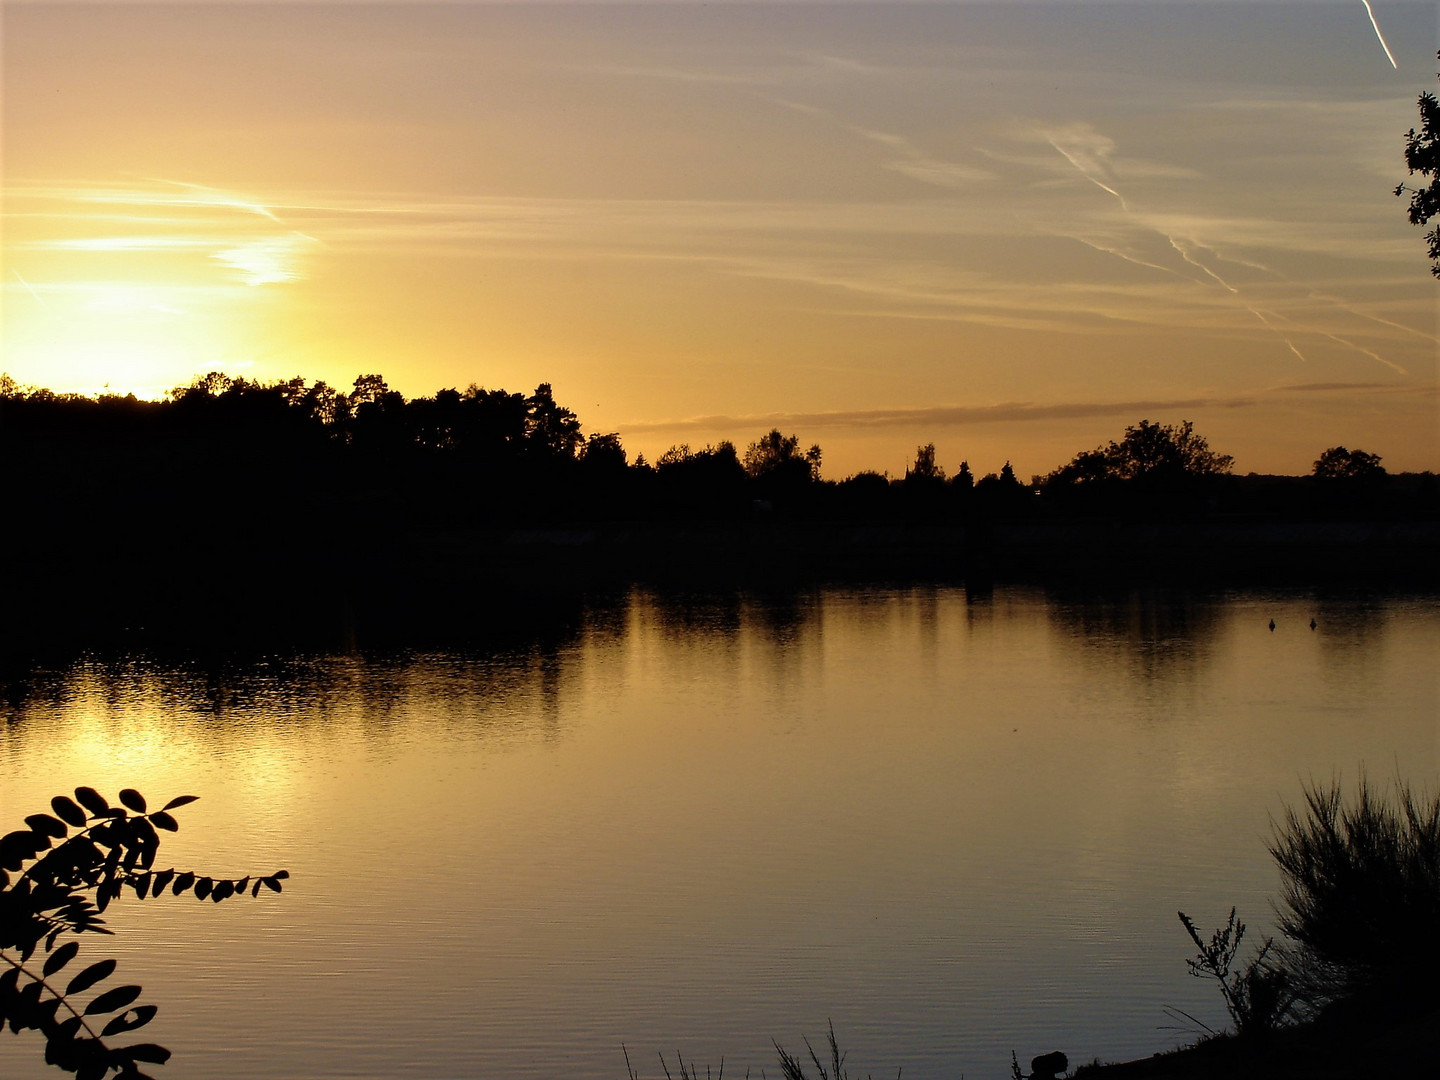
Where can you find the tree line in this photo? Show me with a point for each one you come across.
(295, 501)
(528, 448)
(490, 456)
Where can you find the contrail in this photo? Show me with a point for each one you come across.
(1331, 301)
(1235, 293)
(1388, 54)
(216, 198)
(1096, 246)
(1373, 318)
(30, 289)
(1088, 175)
(1368, 352)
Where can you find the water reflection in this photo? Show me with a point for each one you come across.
(1157, 634)
(695, 615)
(953, 823)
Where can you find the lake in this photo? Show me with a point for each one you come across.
(954, 825)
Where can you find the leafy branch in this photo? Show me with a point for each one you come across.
(1422, 155)
(112, 849)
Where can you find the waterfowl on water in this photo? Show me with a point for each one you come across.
(1272, 626)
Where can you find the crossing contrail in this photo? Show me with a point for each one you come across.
(1388, 54)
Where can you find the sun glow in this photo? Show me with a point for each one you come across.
(730, 218)
(136, 290)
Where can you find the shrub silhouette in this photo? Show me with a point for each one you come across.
(1359, 910)
(48, 875)
(1360, 895)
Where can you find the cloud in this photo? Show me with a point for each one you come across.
(120, 243)
(1083, 146)
(1006, 256)
(918, 165)
(267, 260)
(191, 195)
(858, 421)
(1344, 387)
(941, 416)
(946, 174)
(669, 74)
(205, 221)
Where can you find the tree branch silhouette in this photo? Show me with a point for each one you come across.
(53, 868)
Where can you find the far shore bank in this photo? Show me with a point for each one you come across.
(262, 584)
(1103, 551)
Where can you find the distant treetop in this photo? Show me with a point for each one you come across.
(1147, 451)
(1338, 463)
(774, 453)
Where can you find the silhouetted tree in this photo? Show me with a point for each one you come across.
(775, 453)
(1002, 484)
(1148, 451)
(1338, 463)
(964, 479)
(706, 482)
(603, 452)
(868, 486)
(324, 404)
(721, 458)
(925, 468)
(368, 390)
(1086, 467)
(378, 423)
(1422, 155)
(550, 428)
(495, 424)
(62, 883)
(677, 454)
(1165, 450)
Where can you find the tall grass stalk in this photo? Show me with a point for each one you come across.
(1257, 994)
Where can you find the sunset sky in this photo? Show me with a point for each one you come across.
(1010, 229)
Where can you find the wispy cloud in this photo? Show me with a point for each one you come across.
(1333, 387)
(858, 421)
(1089, 152)
(940, 416)
(267, 260)
(160, 193)
(989, 259)
(918, 165)
(120, 243)
(205, 221)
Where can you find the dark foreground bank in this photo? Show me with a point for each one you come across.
(1336, 1047)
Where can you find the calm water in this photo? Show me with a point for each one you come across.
(955, 827)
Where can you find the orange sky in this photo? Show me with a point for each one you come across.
(1008, 229)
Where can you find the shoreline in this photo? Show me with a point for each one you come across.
(1381, 1046)
(266, 581)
